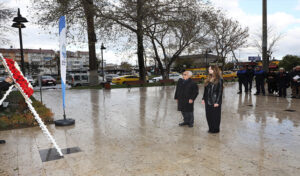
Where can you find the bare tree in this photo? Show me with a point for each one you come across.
(227, 35)
(5, 15)
(80, 19)
(130, 15)
(175, 29)
(273, 40)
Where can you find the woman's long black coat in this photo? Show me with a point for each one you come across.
(185, 91)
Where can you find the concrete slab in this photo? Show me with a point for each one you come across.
(135, 133)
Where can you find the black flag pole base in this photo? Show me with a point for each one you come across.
(64, 122)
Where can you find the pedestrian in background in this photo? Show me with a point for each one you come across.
(293, 84)
(295, 77)
(243, 79)
(272, 83)
(212, 98)
(283, 82)
(185, 94)
(250, 76)
(260, 76)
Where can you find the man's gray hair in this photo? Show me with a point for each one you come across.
(190, 74)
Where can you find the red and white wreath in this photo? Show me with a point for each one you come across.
(18, 76)
(23, 85)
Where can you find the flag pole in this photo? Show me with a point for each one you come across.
(63, 65)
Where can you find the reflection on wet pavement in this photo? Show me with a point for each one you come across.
(134, 132)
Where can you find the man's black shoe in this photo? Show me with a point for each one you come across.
(264, 94)
(183, 123)
(256, 93)
(2, 141)
(239, 92)
(191, 125)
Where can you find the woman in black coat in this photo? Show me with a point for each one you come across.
(186, 93)
(212, 98)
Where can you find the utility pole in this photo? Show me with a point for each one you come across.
(265, 38)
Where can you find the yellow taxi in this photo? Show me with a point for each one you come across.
(201, 76)
(229, 75)
(126, 78)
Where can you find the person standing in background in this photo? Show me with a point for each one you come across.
(260, 76)
(296, 82)
(272, 83)
(250, 76)
(243, 79)
(283, 82)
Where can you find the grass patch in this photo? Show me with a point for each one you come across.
(18, 115)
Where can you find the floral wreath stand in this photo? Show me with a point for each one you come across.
(23, 85)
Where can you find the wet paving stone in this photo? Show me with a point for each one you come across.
(52, 154)
(135, 132)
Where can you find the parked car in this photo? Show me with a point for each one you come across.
(229, 75)
(200, 75)
(48, 80)
(174, 76)
(2, 79)
(109, 77)
(31, 80)
(124, 79)
(78, 79)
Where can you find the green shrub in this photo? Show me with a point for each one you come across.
(18, 115)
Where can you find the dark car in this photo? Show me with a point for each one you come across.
(48, 80)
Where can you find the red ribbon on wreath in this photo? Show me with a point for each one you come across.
(18, 77)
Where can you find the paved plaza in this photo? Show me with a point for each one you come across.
(135, 132)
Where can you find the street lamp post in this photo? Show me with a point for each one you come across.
(102, 48)
(18, 23)
(206, 55)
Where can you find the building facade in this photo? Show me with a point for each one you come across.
(46, 62)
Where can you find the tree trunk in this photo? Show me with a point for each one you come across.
(223, 63)
(93, 66)
(140, 46)
(162, 72)
(167, 72)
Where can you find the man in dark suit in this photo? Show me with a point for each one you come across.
(243, 79)
(260, 76)
(4, 85)
(186, 93)
(283, 81)
(250, 76)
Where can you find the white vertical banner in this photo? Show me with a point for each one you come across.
(63, 55)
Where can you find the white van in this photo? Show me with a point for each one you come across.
(78, 79)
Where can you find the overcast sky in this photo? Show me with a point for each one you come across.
(283, 16)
